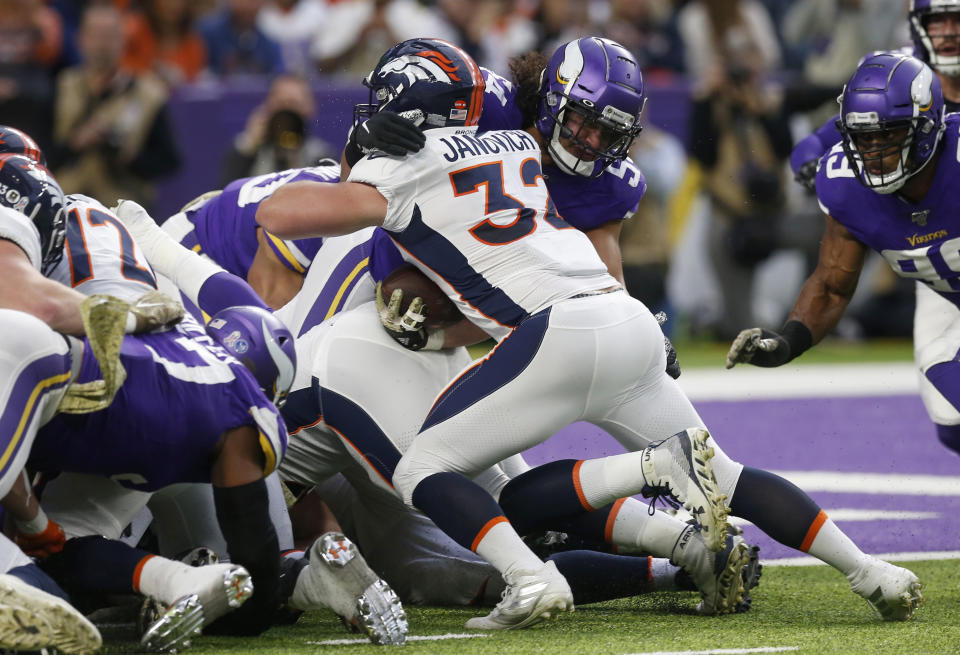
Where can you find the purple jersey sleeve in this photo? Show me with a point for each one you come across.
(815, 145)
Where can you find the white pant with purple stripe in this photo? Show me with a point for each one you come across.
(35, 370)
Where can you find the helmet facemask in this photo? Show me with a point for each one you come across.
(929, 27)
(583, 137)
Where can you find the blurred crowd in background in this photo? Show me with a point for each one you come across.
(723, 238)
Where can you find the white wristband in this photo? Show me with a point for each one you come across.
(36, 525)
(435, 339)
(131, 323)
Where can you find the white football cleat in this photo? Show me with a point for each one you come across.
(32, 619)
(339, 578)
(893, 592)
(170, 629)
(220, 588)
(679, 467)
(718, 576)
(530, 597)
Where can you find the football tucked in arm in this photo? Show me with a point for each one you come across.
(441, 312)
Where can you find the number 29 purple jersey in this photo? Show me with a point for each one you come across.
(918, 240)
(583, 202)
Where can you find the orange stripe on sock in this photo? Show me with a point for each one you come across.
(485, 529)
(813, 531)
(578, 488)
(611, 519)
(649, 569)
(137, 571)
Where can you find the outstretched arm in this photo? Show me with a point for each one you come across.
(822, 301)
(308, 209)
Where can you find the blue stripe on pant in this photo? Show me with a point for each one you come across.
(507, 360)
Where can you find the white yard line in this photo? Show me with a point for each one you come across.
(905, 484)
(919, 556)
(354, 642)
(800, 381)
(722, 651)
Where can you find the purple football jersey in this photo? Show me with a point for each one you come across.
(919, 240)
(225, 226)
(583, 202)
(182, 392)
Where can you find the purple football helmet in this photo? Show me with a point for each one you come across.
(921, 14)
(262, 343)
(19, 142)
(30, 189)
(893, 101)
(599, 80)
(430, 81)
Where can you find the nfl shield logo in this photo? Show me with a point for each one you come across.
(920, 217)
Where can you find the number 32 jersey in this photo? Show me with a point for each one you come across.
(919, 240)
(473, 213)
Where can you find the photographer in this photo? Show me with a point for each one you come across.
(112, 135)
(739, 134)
(276, 136)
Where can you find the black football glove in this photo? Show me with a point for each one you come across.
(386, 131)
(673, 364)
(408, 329)
(807, 175)
(763, 347)
(760, 347)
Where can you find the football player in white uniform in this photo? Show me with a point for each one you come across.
(342, 421)
(470, 211)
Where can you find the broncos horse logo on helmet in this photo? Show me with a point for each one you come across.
(600, 80)
(30, 189)
(892, 104)
(430, 81)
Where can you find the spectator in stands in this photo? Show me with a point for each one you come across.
(162, 38)
(357, 32)
(648, 29)
(112, 136)
(276, 136)
(293, 24)
(740, 137)
(491, 31)
(235, 45)
(832, 35)
(31, 40)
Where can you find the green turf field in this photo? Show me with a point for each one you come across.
(807, 610)
(830, 351)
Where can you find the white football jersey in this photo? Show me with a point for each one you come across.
(338, 280)
(101, 255)
(19, 229)
(473, 213)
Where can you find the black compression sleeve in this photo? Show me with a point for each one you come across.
(244, 518)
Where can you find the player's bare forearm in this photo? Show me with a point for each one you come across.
(463, 333)
(310, 209)
(274, 283)
(827, 292)
(26, 290)
(606, 241)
